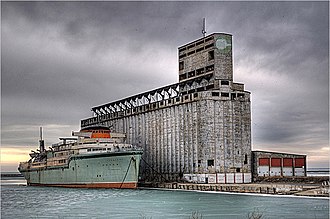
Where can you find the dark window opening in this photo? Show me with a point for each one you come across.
(186, 97)
(225, 94)
(224, 82)
(240, 95)
(195, 94)
(200, 71)
(191, 74)
(190, 53)
(199, 49)
(182, 56)
(237, 152)
(177, 99)
(209, 46)
(211, 86)
(191, 46)
(183, 76)
(209, 68)
(200, 89)
(210, 163)
(238, 170)
(208, 39)
(211, 55)
(182, 49)
(199, 43)
(245, 159)
(233, 96)
(215, 94)
(181, 65)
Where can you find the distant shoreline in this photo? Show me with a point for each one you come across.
(12, 175)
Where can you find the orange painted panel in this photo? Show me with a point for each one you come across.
(263, 161)
(275, 162)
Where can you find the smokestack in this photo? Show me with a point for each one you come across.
(41, 142)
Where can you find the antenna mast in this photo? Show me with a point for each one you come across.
(204, 30)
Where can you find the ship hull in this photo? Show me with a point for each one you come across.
(103, 170)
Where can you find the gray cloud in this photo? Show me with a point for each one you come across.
(61, 58)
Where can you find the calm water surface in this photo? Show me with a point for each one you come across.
(20, 201)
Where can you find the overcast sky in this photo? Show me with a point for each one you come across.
(59, 59)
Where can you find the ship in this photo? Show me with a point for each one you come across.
(94, 157)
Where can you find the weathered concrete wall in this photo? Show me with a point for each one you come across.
(207, 134)
(204, 129)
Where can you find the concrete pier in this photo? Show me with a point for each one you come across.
(260, 188)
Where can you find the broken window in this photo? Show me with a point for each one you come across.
(211, 55)
(200, 49)
(245, 159)
(210, 163)
(183, 76)
(190, 53)
(200, 71)
(181, 65)
(209, 46)
(209, 68)
(191, 74)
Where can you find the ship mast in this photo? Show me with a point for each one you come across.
(41, 142)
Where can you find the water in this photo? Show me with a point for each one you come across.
(20, 201)
(318, 172)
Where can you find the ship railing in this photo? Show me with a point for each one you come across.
(38, 164)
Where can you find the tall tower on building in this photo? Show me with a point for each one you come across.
(198, 128)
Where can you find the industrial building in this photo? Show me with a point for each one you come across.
(198, 129)
(266, 163)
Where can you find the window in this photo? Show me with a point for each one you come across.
(200, 71)
(209, 68)
(211, 55)
(224, 82)
(238, 170)
(183, 76)
(181, 65)
(215, 94)
(191, 74)
(209, 46)
(245, 159)
(210, 163)
(225, 94)
(200, 49)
